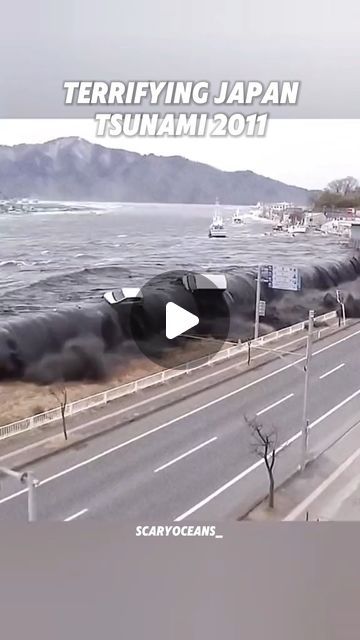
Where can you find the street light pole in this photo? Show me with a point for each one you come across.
(32, 506)
(343, 313)
(31, 482)
(257, 304)
(305, 422)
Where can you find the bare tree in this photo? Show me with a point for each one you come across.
(60, 393)
(343, 193)
(344, 186)
(264, 446)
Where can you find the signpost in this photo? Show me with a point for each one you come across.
(276, 277)
(287, 278)
(305, 422)
(257, 304)
(262, 308)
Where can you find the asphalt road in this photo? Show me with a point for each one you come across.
(194, 460)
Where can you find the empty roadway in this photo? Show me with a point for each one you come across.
(177, 462)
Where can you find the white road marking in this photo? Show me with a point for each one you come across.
(177, 419)
(117, 447)
(141, 403)
(331, 411)
(322, 487)
(117, 413)
(334, 344)
(275, 404)
(257, 464)
(328, 373)
(184, 455)
(76, 515)
(13, 495)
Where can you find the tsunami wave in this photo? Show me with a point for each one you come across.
(88, 342)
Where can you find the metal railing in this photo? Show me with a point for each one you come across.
(129, 388)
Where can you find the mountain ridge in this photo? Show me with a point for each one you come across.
(73, 168)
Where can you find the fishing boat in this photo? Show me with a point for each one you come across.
(295, 229)
(237, 217)
(217, 229)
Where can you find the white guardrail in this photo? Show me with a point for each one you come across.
(101, 399)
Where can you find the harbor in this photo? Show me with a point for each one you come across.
(288, 219)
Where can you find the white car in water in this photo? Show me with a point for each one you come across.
(128, 295)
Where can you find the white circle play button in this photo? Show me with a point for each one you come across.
(171, 314)
(178, 320)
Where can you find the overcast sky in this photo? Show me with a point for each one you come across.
(307, 153)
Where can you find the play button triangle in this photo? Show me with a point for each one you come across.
(178, 320)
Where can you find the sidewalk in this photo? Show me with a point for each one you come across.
(328, 490)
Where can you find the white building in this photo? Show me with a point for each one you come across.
(279, 207)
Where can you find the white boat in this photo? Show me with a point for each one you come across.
(237, 217)
(336, 228)
(217, 229)
(295, 229)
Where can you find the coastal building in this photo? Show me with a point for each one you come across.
(280, 207)
(355, 234)
(314, 218)
(346, 215)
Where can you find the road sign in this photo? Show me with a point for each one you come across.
(283, 277)
(276, 277)
(265, 272)
(262, 307)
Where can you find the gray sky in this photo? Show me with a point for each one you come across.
(307, 153)
(310, 41)
(44, 42)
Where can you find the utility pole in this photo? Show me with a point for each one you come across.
(257, 304)
(340, 299)
(31, 482)
(343, 313)
(305, 421)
